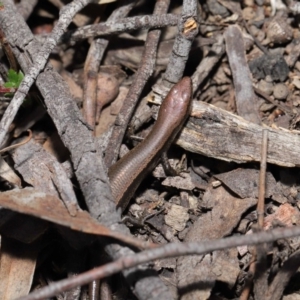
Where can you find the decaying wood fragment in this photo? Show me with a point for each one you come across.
(217, 133)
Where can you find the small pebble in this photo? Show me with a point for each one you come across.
(280, 91)
(266, 107)
(279, 31)
(248, 13)
(259, 2)
(266, 87)
(296, 102)
(268, 78)
(297, 66)
(249, 3)
(254, 30)
(260, 36)
(296, 83)
(216, 183)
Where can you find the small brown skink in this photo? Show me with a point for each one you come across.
(126, 175)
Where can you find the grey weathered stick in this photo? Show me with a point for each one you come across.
(40, 60)
(246, 101)
(188, 27)
(90, 79)
(262, 179)
(278, 285)
(207, 64)
(159, 91)
(87, 163)
(187, 30)
(91, 68)
(142, 75)
(123, 25)
(166, 251)
(25, 7)
(217, 133)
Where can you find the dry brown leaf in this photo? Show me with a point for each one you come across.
(108, 114)
(50, 208)
(245, 182)
(17, 265)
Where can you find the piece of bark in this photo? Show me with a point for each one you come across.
(220, 265)
(42, 171)
(216, 133)
(245, 182)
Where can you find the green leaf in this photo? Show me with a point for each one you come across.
(13, 79)
(10, 85)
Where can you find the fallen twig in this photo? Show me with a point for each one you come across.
(166, 251)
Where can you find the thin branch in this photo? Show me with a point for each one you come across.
(166, 251)
(262, 179)
(123, 25)
(142, 75)
(245, 97)
(249, 279)
(90, 79)
(91, 68)
(283, 277)
(25, 7)
(257, 265)
(188, 28)
(208, 63)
